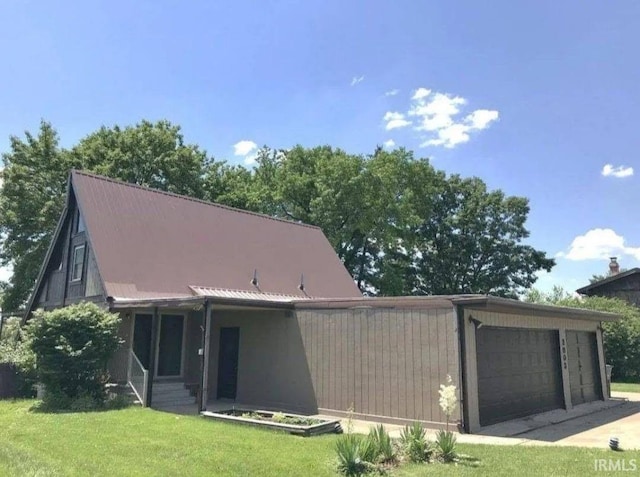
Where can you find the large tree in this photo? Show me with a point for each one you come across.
(35, 178)
(471, 241)
(400, 226)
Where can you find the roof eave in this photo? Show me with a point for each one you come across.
(498, 304)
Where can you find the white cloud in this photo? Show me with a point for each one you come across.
(5, 273)
(395, 120)
(242, 148)
(246, 149)
(620, 171)
(598, 244)
(389, 143)
(357, 79)
(391, 92)
(438, 117)
(421, 93)
(481, 118)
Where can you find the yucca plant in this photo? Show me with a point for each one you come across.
(355, 454)
(446, 444)
(446, 440)
(414, 442)
(385, 451)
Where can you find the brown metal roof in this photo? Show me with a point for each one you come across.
(152, 244)
(605, 281)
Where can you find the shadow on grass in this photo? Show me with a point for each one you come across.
(41, 407)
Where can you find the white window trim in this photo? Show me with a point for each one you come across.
(73, 262)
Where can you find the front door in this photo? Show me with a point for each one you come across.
(228, 363)
(170, 346)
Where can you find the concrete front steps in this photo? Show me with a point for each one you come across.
(170, 395)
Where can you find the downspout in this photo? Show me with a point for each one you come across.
(462, 363)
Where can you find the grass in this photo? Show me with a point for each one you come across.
(143, 442)
(626, 387)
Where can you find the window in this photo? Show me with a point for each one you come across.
(79, 223)
(78, 263)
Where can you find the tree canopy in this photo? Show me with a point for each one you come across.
(400, 226)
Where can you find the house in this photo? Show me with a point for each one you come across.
(256, 311)
(623, 285)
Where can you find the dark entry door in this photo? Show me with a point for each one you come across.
(142, 338)
(584, 369)
(170, 345)
(228, 362)
(519, 373)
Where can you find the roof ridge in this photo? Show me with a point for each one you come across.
(192, 199)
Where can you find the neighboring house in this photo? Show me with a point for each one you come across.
(624, 285)
(256, 311)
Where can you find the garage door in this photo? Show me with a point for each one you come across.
(518, 373)
(584, 369)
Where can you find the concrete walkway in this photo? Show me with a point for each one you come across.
(589, 425)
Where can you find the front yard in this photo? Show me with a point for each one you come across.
(143, 442)
(626, 387)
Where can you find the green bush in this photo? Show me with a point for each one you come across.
(446, 445)
(72, 347)
(384, 449)
(414, 443)
(14, 351)
(356, 454)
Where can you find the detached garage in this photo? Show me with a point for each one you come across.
(386, 357)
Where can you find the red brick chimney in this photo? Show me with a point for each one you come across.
(614, 266)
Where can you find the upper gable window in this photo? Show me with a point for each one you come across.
(79, 223)
(78, 263)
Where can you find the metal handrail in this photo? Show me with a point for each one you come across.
(141, 394)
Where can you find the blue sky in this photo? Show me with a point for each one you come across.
(536, 98)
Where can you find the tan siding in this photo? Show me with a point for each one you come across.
(387, 362)
(272, 370)
(531, 321)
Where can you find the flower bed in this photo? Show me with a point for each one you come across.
(292, 423)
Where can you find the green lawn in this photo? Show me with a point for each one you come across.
(143, 442)
(626, 387)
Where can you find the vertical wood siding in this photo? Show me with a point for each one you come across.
(382, 362)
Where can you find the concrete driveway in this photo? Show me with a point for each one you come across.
(595, 429)
(589, 425)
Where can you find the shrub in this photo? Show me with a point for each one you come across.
(14, 350)
(414, 443)
(385, 452)
(446, 445)
(355, 454)
(72, 347)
